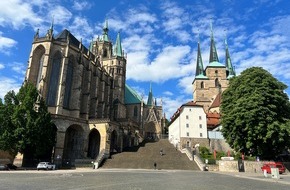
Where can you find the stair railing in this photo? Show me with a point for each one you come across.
(102, 155)
(199, 162)
(188, 153)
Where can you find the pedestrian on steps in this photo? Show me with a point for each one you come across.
(155, 165)
(161, 152)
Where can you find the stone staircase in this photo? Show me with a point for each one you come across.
(146, 154)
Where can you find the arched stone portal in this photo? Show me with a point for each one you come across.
(114, 142)
(94, 144)
(73, 144)
(150, 130)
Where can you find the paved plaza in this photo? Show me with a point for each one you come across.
(129, 179)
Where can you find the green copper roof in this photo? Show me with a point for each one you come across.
(229, 65)
(201, 77)
(199, 64)
(105, 32)
(150, 97)
(215, 64)
(118, 46)
(131, 96)
(213, 56)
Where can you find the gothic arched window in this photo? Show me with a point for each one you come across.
(135, 111)
(54, 79)
(105, 54)
(68, 82)
(202, 84)
(40, 71)
(216, 82)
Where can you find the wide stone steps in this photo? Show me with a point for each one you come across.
(148, 153)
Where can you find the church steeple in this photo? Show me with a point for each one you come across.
(118, 46)
(199, 64)
(150, 97)
(213, 56)
(106, 31)
(229, 65)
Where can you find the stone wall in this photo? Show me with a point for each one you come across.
(249, 166)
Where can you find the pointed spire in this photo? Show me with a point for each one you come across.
(150, 97)
(199, 64)
(51, 26)
(213, 56)
(91, 45)
(229, 65)
(50, 31)
(118, 46)
(36, 34)
(106, 31)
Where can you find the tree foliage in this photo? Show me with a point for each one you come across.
(23, 128)
(256, 114)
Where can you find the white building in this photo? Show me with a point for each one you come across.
(188, 126)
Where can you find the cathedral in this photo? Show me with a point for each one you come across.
(94, 112)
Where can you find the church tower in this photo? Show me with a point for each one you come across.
(213, 80)
(113, 60)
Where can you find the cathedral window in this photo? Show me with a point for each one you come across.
(186, 117)
(202, 84)
(40, 70)
(187, 125)
(200, 126)
(135, 111)
(200, 117)
(187, 134)
(200, 134)
(217, 84)
(54, 79)
(216, 72)
(68, 83)
(105, 54)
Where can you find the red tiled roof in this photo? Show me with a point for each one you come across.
(217, 101)
(213, 119)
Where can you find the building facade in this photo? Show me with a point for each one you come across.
(208, 85)
(188, 126)
(86, 93)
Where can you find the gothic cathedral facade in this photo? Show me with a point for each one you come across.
(94, 111)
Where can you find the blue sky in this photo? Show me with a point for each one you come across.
(159, 36)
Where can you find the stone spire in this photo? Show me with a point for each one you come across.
(213, 56)
(229, 65)
(150, 101)
(199, 64)
(118, 46)
(106, 31)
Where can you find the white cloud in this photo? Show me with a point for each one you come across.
(8, 84)
(60, 15)
(162, 68)
(6, 44)
(2, 66)
(170, 105)
(168, 93)
(17, 13)
(81, 5)
(17, 67)
(81, 29)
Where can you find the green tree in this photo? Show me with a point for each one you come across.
(256, 114)
(25, 129)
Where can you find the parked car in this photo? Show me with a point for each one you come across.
(3, 167)
(279, 165)
(45, 166)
